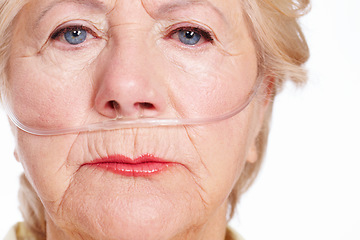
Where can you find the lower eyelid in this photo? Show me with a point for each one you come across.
(205, 37)
(61, 43)
(65, 46)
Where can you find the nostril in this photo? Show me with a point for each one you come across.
(115, 105)
(137, 109)
(146, 105)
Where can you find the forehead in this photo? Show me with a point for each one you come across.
(219, 7)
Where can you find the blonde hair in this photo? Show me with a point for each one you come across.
(281, 50)
(8, 11)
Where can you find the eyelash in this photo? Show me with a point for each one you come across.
(203, 33)
(61, 31)
(206, 35)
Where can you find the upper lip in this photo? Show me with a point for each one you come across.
(145, 158)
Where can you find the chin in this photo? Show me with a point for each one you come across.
(151, 220)
(127, 208)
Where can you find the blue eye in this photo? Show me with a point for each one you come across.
(189, 37)
(75, 36)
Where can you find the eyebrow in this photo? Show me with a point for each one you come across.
(163, 9)
(184, 4)
(91, 3)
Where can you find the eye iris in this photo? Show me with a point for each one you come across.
(189, 37)
(76, 36)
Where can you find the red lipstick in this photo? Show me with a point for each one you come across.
(145, 165)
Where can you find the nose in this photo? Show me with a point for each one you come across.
(129, 83)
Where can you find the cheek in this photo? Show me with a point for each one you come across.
(223, 150)
(44, 163)
(211, 85)
(48, 92)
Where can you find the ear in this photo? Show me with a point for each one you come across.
(14, 130)
(253, 154)
(16, 156)
(263, 110)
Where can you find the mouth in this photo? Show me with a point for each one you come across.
(145, 165)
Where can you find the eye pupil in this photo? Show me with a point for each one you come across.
(76, 33)
(75, 36)
(189, 34)
(189, 37)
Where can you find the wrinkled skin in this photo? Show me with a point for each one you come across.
(133, 56)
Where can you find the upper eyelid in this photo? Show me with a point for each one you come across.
(56, 33)
(191, 26)
(86, 25)
(207, 35)
(100, 34)
(167, 31)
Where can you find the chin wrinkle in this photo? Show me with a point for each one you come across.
(195, 148)
(202, 190)
(206, 204)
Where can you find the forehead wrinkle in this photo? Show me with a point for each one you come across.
(91, 3)
(176, 5)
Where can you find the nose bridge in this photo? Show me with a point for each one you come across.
(130, 79)
(131, 47)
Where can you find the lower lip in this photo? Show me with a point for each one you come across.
(134, 170)
(145, 165)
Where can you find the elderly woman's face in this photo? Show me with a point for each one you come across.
(71, 59)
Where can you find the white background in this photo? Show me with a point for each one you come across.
(309, 186)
